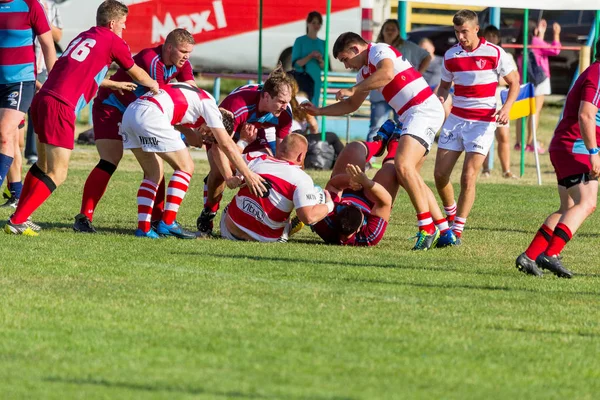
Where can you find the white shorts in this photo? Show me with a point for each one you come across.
(543, 89)
(460, 134)
(423, 121)
(225, 234)
(146, 127)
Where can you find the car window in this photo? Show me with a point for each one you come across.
(563, 17)
(587, 17)
(513, 18)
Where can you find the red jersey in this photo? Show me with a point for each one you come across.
(82, 67)
(243, 103)
(150, 60)
(264, 219)
(371, 231)
(567, 136)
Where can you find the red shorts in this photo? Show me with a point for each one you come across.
(53, 121)
(106, 121)
(566, 163)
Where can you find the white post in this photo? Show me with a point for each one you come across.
(535, 149)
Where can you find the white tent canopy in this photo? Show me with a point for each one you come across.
(531, 4)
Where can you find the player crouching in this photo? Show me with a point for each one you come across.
(264, 218)
(151, 129)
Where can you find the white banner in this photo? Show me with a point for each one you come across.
(531, 4)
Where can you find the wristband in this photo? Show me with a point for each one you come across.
(593, 151)
(242, 144)
(330, 206)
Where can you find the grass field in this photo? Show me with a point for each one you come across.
(114, 317)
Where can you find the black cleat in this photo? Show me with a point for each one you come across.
(204, 223)
(11, 202)
(83, 224)
(527, 265)
(554, 265)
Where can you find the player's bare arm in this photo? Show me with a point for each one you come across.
(142, 77)
(254, 181)
(118, 86)
(444, 90)
(346, 106)
(382, 200)
(338, 183)
(48, 50)
(587, 125)
(310, 215)
(378, 79)
(512, 79)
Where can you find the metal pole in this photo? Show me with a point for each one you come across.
(326, 68)
(525, 61)
(260, 29)
(495, 17)
(402, 14)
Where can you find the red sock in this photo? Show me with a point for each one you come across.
(450, 212)
(373, 149)
(159, 202)
(145, 200)
(178, 186)
(458, 225)
(562, 234)
(37, 188)
(442, 225)
(426, 222)
(539, 243)
(213, 206)
(95, 187)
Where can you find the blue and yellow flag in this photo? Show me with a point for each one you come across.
(524, 106)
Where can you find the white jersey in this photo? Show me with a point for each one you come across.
(475, 75)
(184, 104)
(407, 89)
(264, 219)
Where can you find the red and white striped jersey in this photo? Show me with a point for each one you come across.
(185, 104)
(407, 89)
(475, 75)
(264, 218)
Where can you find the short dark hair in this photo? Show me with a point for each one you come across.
(110, 10)
(228, 120)
(348, 219)
(179, 35)
(346, 40)
(277, 80)
(463, 16)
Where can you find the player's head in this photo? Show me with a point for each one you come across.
(314, 21)
(492, 34)
(228, 120)
(178, 47)
(276, 93)
(293, 148)
(347, 220)
(349, 48)
(390, 33)
(112, 14)
(466, 28)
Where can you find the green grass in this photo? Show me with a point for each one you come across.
(111, 316)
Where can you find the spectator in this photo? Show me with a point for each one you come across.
(433, 73)
(537, 32)
(416, 56)
(308, 53)
(492, 35)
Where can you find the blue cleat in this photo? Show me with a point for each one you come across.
(151, 234)
(174, 230)
(446, 239)
(425, 241)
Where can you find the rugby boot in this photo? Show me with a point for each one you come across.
(425, 240)
(446, 239)
(83, 224)
(554, 265)
(19, 229)
(151, 234)
(204, 223)
(527, 265)
(175, 229)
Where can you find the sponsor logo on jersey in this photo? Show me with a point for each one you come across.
(251, 207)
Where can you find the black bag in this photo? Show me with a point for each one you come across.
(306, 84)
(320, 155)
(535, 73)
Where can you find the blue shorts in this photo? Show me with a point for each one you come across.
(17, 96)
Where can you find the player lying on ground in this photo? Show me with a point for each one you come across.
(266, 107)
(264, 218)
(148, 129)
(163, 63)
(382, 67)
(575, 157)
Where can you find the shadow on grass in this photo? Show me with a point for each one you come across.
(177, 389)
(543, 331)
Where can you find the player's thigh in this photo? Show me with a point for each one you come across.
(354, 153)
(215, 172)
(110, 150)
(584, 192)
(9, 123)
(151, 164)
(411, 151)
(57, 162)
(473, 163)
(423, 122)
(387, 178)
(179, 160)
(445, 160)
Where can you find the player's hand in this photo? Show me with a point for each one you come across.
(255, 184)
(502, 116)
(327, 196)
(154, 88)
(343, 93)
(310, 108)
(124, 86)
(234, 182)
(595, 162)
(248, 133)
(357, 176)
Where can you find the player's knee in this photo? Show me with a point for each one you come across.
(441, 177)
(404, 170)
